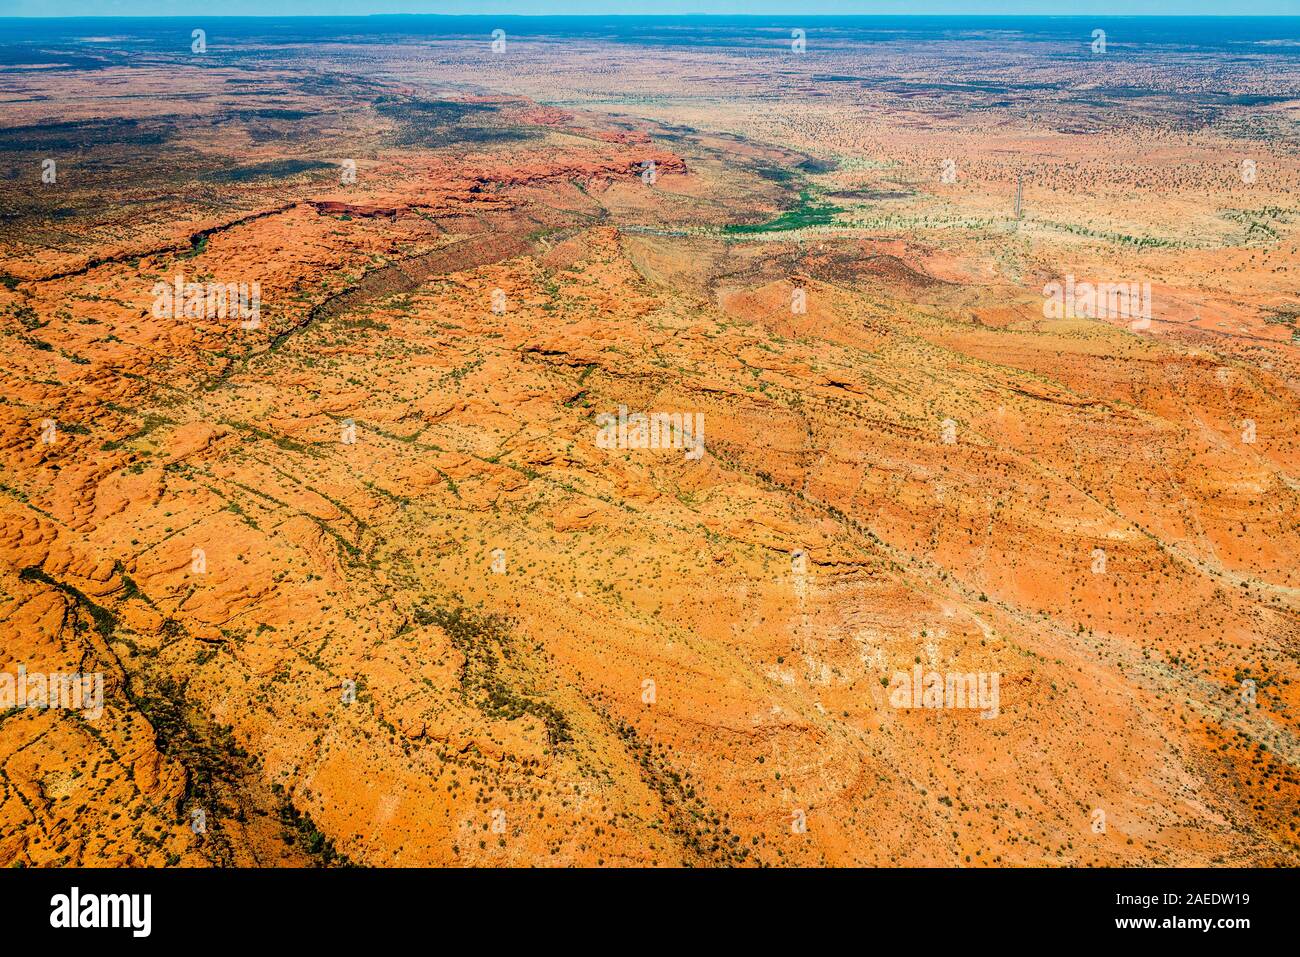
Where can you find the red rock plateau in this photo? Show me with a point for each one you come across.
(364, 587)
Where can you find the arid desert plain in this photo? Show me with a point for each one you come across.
(496, 442)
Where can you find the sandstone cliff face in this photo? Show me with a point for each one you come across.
(364, 575)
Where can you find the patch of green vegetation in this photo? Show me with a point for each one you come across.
(150, 423)
(441, 122)
(274, 169)
(697, 827)
(197, 248)
(299, 829)
(215, 765)
(51, 139)
(485, 642)
(365, 323)
(1259, 223)
(1288, 316)
(130, 589)
(451, 483)
(350, 550)
(274, 114)
(809, 212)
(26, 316)
(281, 441)
(17, 493)
(814, 165)
(492, 134)
(105, 621)
(437, 112)
(776, 174)
(1122, 239)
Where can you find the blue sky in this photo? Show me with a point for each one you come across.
(66, 8)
